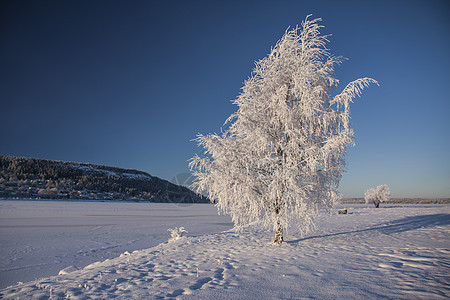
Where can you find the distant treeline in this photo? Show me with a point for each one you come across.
(22, 177)
(400, 201)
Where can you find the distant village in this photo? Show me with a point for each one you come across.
(29, 178)
(13, 187)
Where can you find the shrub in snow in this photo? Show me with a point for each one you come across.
(176, 233)
(281, 155)
(381, 193)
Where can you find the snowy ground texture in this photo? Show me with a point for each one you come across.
(396, 251)
(40, 238)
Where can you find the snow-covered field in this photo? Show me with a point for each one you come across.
(39, 238)
(396, 251)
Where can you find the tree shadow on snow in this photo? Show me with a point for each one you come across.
(396, 226)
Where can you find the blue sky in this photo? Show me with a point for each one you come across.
(130, 83)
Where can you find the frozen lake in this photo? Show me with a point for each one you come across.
(39, 238)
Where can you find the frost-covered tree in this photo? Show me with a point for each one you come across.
(280, 157)
(381, 193)
(176, 233)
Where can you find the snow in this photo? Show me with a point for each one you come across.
(91, 169)
(395, 251)
(40, 238)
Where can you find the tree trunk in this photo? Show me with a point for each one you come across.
(278, 235)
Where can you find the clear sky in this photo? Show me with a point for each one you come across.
(130, 83)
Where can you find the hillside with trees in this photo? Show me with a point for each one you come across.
(30, 178)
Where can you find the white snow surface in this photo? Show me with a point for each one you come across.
(40, 238)
(395, 251)
(93, 169)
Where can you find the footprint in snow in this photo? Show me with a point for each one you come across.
(218, 274)
(200, 283)
(176, 293)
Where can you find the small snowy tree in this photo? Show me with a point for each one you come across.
(381, 193)
(176, 233)
(281, 156)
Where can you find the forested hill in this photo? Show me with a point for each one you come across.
(22, 177)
